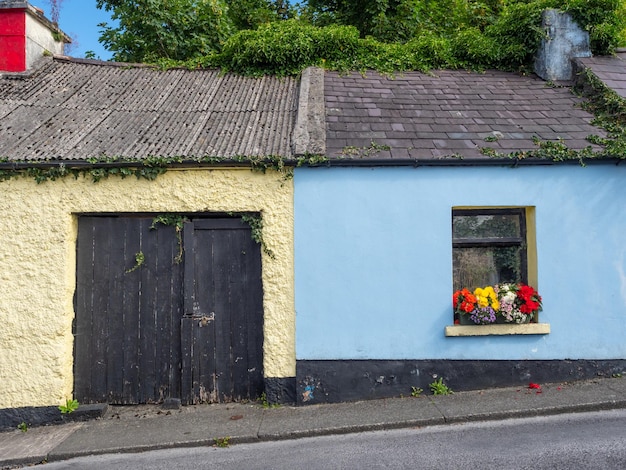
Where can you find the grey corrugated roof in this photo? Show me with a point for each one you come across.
(75, 110)
(447, 115)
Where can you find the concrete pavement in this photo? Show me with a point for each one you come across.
(147, 427)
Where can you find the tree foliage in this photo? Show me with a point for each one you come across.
(402, 20)
(250, 14)
(390, 20)
(273, 36)
(152, 29)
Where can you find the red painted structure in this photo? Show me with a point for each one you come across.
(13, 40)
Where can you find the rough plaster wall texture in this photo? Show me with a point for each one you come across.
(38, 40)
(37, 265)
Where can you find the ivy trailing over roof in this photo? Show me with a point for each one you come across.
(609, 110)
(556, 151)
(42, 172)
(449, 34)
(149, 168)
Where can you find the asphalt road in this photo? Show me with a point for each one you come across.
(573, 441)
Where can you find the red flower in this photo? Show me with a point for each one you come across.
(529, 307)
(534, 385)
(525, 292)
(455, 298)
(463, 301)
(531, 300)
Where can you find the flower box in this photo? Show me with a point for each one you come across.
(502, 303)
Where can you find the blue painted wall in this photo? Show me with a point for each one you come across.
(373, 260)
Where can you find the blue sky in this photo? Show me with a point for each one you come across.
(79, 19)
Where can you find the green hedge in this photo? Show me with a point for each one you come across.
(501, 34)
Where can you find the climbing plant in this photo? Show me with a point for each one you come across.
(178, 222)
(149, 168)
(255, 221)
(140, 258)
(96, 169)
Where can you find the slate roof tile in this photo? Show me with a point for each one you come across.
(426, 115)
(610, 69)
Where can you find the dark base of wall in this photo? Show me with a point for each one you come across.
(11, 418)
(338, 381)
(280, 390)
(277, 390)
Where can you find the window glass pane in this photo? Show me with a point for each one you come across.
(486, 226)
(486, 266)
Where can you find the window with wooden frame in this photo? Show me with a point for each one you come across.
(489, 247)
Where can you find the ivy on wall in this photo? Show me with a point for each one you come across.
(146, 168)
(255, 221)
(178, 222)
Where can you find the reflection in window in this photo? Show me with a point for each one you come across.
(488, 247)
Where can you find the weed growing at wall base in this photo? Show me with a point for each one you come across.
(439, 388)
(265, 402)
(222, 442)
(69, 407)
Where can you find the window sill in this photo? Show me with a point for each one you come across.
(498, 330)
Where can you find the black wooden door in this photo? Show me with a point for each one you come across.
(140, 335)
(222, 338)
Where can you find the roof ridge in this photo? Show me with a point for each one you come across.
(109, 63)
(77, 60)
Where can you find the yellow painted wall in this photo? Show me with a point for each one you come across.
(38, 234)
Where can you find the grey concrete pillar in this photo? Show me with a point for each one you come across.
(564, 41)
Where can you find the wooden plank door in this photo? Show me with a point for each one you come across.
(127, 311)
(222, 326)
(151, 325)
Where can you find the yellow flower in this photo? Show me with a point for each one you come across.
(481, 297)
(486, 297)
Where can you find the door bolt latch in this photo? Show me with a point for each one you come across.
(206, 319)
